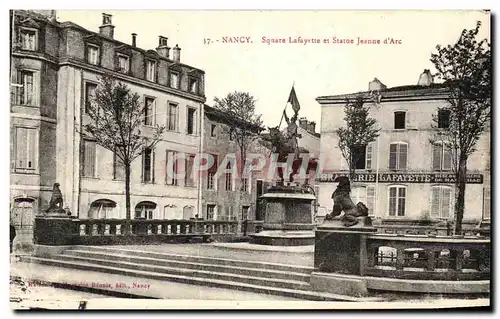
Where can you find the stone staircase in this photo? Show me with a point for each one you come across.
(244, 275)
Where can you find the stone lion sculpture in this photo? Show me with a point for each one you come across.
(56, 200)
(342, 202)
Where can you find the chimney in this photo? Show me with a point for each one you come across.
(176, 53)
(312, 127)
(107, 29)
(376, 85)
(426, 78)
(163, 49)
(303, 123)
(134, 39)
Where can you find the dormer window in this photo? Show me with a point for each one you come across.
(93, 54)
(151, 71)
(123, 63)
(174, 80)
(29, 39)
(193, 85)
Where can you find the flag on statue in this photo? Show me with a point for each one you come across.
(292, 99)
(285, 116)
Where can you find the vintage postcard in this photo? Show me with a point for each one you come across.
(327, 159)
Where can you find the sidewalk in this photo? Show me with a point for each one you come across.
(36, 275)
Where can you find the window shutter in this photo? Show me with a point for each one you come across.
(435, 201)
(447, 160)
(369, 151)
(487, 203)
(392, 201)
(401, 201)
(153, 166)
(370, 199)
(445, 202)
(392, 156)
(436, 156)
(403, 156)
(142, 166)
(35, 85)
(32, 149)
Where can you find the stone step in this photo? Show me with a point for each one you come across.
(201, 259)
(241, 269)
(292, 293)
(281, 283)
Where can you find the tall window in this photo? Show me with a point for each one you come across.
(145, 210)
(174, 80)
(148, 166)
(118, 168)
(211, 181)
(25, 90)
(213, 130)
(171, 168)
(361, 156)
(191, 120)
(89, 93)
(441, 157)
(444, 118)
(29, 39)
(228, 214)
(172, 117)
(89, 158)
(441, 202)
(210, 212)
(193, 85)
(229, 178)
(399, 120)
(123, 63)
(244, 184)
(102, 208)
(487, 203)
(189, 162)
(398, 155)
(151, 71)
(92, 54)
(397, 200)
(244, 212)
(26, 149)
(149, 110)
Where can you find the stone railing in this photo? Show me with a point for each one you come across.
(427, 257)
(359, 259)
(64, 231)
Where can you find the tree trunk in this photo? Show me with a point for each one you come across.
(127, 198)
(460, 203)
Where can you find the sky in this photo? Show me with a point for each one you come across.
(268, 71)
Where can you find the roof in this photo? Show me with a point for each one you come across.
(220, 116)
(405, 92)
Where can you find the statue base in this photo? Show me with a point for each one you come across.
(364, 224)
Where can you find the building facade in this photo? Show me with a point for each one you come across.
(55, 68)
(415, 180)
(226, 196)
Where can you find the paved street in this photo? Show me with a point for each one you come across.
(144, 287)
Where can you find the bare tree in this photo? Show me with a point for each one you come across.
(357, 134)
(465, 68)
(116, 123)
(243, 125)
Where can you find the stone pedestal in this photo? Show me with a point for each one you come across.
(55, 230)
(340, 256)
(288, 219)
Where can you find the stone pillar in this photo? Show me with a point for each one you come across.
(340, 257)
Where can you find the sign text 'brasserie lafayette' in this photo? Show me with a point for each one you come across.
(403, 177)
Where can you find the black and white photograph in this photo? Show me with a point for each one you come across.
(249, 159)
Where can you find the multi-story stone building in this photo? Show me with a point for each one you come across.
(415, 181)
(55, 68)
(222, 197)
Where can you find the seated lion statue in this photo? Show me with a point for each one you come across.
(342, 202)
